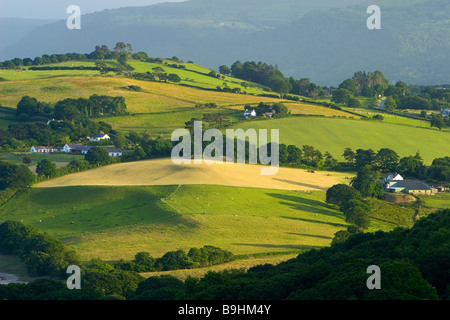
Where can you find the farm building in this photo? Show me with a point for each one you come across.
(41, 149)
(76, 148)
(269, 115)
(393, 177)
(114, 152)
(99, 136)
(80, 149)
(409, 186)
(249, 113)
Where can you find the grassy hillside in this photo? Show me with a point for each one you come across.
(334, 135)
(117, 222)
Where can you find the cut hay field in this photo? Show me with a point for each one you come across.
(156, 97)
(164, 172)
(333, 135)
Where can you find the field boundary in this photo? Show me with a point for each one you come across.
(171, 195)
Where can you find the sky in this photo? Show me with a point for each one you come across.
(56, 9)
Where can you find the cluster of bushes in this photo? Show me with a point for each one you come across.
(42, 253)
(73, 109)
(65, 68)
(14, 178)
(133, 88)
(352, 204)
(210, 105)
(273, 79)
(226, 88)
(306, 156)
(175, 260)
(144, 147)
(159, 74)
(261, 73)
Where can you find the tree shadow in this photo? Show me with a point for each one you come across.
(279, 246)
(313, 186)
(308, 205)
(317, 221)
(310, 235)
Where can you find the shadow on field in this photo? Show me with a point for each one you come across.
(306, 205)
(310, 235)
(313, 186)
(317, 221)
(279, 246)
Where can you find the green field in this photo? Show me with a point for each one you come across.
(333, 135)
(193, 75)
(441, 200)
(117, 222)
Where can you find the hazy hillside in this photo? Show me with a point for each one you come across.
(14, 29)
(304, 38)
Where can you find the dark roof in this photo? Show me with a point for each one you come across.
(413, 185)
(76, 146)
(98, 135)
(113, 150)
(79, 147)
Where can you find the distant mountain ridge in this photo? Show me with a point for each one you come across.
(326, 40)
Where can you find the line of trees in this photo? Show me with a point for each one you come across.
(387, 160)
(175, 260)
(43, 254)
(271, 77)
(73, 109)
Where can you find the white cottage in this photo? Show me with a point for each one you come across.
(99, 136)
(41, 149)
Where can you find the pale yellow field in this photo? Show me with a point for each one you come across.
(156, 97)
(164, 172)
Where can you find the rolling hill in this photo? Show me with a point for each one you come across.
(326, 41)
(164, 172)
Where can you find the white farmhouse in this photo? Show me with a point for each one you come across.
(249, 113)
(114, 152)
(99, 136)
